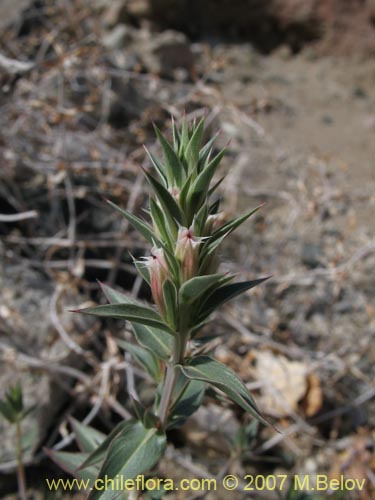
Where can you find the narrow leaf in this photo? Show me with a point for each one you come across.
(200, 186)
(157, 341)
(158, 166)
(195, 142)
(227, 292)
(87, 437)
(71, 463)
(194, 288)
(154, 339)
(187, 402)
(230, 226)
(166, 199)
(175, 169)
(130, 454)
(130, 312)
(116, 297)
(141, 226)
(144, 357)
(99, 453)
(209, 370)
(170, 300)
(160, 222)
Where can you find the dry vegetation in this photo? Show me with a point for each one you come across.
(79, 93)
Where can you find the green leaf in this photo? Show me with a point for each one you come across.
(157, 341)
(161, 223)
(205, 152)
(130, 312)
(176, 136)
(14, 398)
(225, 293)
(154, 339)
(98, 454)
(200, 186)
(200, 220)
(209, 370)
(148, 419)
(195, 142)
(215, 186)
(189, 397)
(142, 270)
(158, 166)
(8, 412)
(131, 453)
(194, 288)
(170, 206)
(87, 437)
(115, 297)
(170, 300)
(141, 226)
(71, 463)
(233, 224)
(175, 169)
(144, 357)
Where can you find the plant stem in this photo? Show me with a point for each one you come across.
(20, 468)
(171, 376)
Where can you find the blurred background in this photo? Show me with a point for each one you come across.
(291, 84)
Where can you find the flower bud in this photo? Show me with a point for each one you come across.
(158, 270)
(187, 252)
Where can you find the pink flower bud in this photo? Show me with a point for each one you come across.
(187, 252)
(158, 270)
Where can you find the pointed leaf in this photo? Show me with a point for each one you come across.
(130, 312)
(227, 292)
(98, 454)
(195, 142)
(187, 402)
(71, 462)
(87, 437)
(160, 222)
(116, 297)
(130, 454)
(7, 411)
(141, 226)
(205, 152)
(157, 341)
(142, 270)
(200, 186)
(154, 339)
(170, 300)
(148, 419)
(209, 370)
(233, 224)
(166, 199)
(144, 357)
(194, 288)
(158, 166)
(175, 169)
